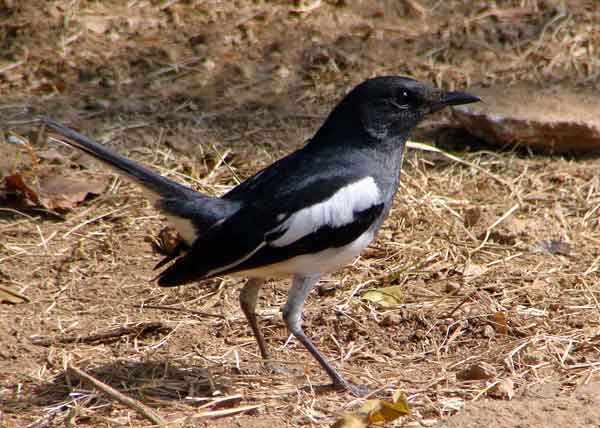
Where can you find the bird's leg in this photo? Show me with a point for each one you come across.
(248, 299)
(292, 314)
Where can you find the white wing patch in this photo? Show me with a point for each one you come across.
(336, 211)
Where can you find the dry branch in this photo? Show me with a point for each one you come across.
(176, 309)
(139, 407)
(137, 329)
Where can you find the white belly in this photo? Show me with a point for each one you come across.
(325, 261)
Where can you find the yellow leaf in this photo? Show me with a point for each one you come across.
(399, 397)
(386, 297)
(385, 411)
(350, 421)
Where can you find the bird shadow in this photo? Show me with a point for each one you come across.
(150, 382)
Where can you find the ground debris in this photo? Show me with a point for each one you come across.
(478, 371)
(10, 295)
(54, 192)
(103, 336)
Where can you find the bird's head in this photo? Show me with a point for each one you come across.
(390, 106)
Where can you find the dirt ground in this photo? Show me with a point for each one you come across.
(497, 261)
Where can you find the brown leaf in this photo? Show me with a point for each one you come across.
(51, 155)
(62, 194)
(500, 323)
(15, 183)
(350, 421)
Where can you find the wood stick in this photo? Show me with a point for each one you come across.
(176, 309)
(136, 328)
(136, 405)
(228, 412)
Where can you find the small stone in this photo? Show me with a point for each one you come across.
(452, 287)
(477, 371)
(503, 390)
(208, 64)
(419, 335)
(488, 331)
(589, 393)
(472, 216)
(558, 119)
(533, 357)
(326, 290)
(389, 320)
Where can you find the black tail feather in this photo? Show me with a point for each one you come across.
(149, 179)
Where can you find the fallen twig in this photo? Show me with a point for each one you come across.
(10, 295)
(139, 407)
(175, 309)
(137, 328)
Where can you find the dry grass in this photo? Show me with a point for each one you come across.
(464, 242)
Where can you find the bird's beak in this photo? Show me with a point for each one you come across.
(454, 99)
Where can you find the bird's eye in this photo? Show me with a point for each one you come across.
(403, 96)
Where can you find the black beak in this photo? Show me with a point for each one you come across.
(454, 99)
(458, 98)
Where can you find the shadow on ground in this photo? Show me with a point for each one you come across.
(149, 382)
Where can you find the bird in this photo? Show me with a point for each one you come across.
(306, 215)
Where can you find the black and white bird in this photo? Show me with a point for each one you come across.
(306, 215)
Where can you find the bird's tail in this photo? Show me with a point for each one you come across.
(157, 185)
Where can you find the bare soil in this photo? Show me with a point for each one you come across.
(498, 260)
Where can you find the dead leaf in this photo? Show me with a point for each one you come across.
(384, 411)
(386, 297)
(54, 193)
(12, 296)
(62, 194)
(51, 155)
(375, 411)
(351, 421)
(500, 323)
(15, 183)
